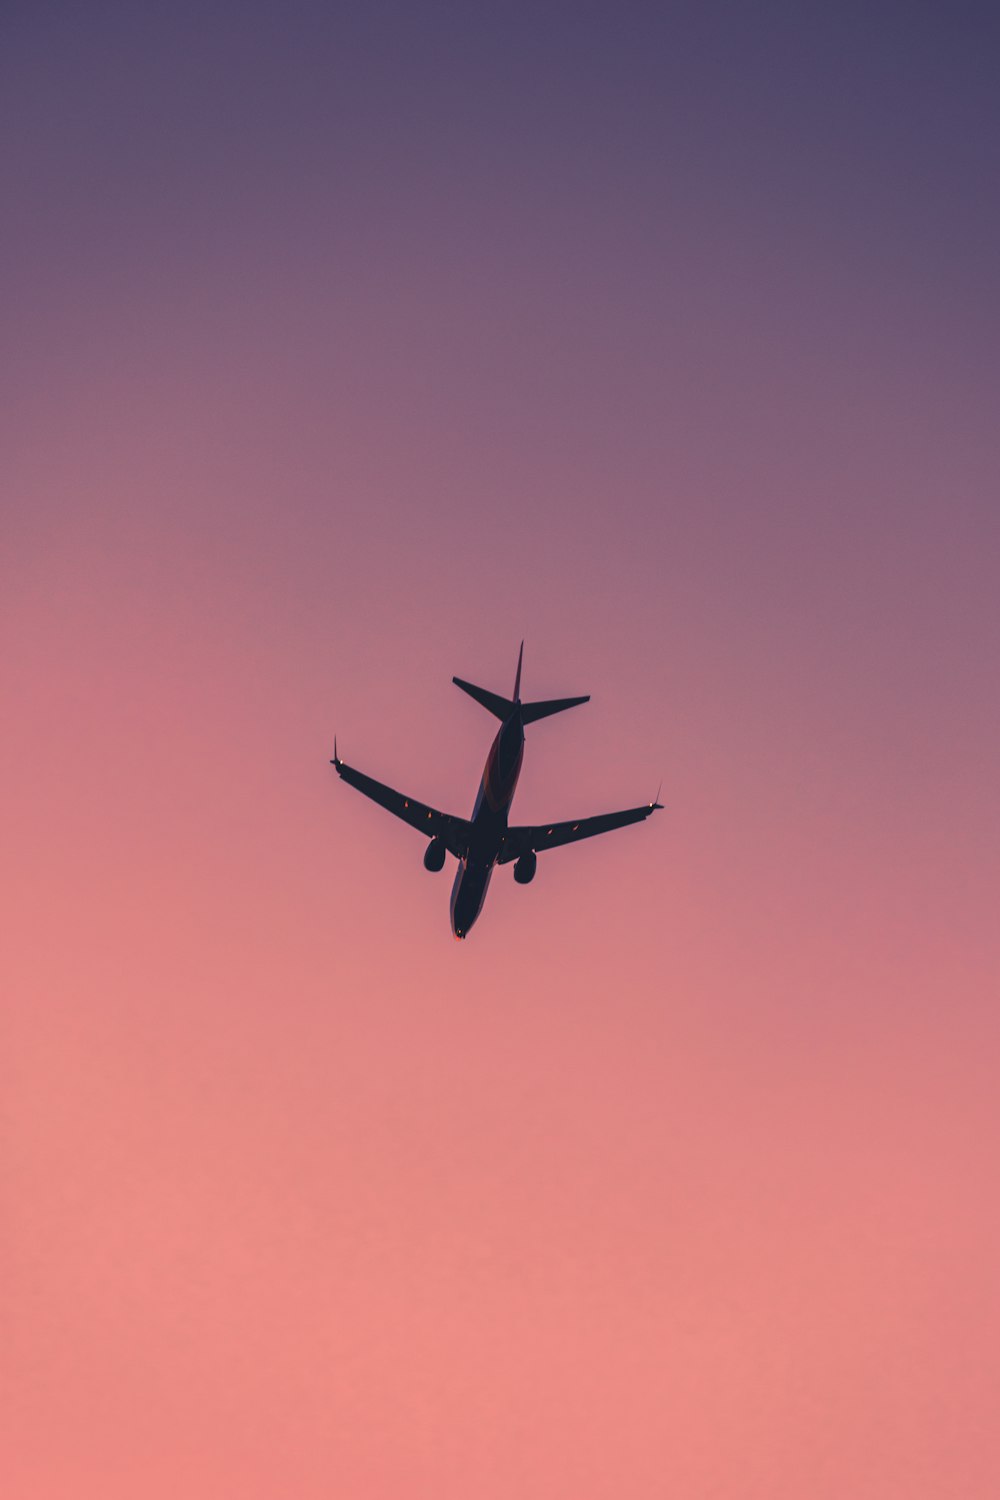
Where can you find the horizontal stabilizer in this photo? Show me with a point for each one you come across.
(532, 711)
(501, 708)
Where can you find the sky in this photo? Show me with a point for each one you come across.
(345, 347)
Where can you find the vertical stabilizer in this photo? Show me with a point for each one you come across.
(517, 679)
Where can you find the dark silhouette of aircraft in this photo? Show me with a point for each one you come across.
(486, 839)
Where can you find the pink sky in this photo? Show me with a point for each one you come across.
(341, 357)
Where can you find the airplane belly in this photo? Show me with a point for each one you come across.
(467, 895)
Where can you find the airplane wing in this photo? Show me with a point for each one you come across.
(543, 836)
(428, 820)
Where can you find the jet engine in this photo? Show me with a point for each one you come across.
(524, 870)
(434, 855)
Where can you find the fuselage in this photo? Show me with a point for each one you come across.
(489, 823)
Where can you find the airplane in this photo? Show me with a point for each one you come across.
(486, 840)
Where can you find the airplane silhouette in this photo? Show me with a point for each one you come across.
(485, 840)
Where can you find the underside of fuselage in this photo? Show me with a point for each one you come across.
(488, 823)
(468, 894)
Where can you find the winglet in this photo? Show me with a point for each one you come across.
(517, 679)
(336, 759)
(656, 803)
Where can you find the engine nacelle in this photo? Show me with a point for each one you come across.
(524, 870)
(434, 855)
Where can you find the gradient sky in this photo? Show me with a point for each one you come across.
(342, 348)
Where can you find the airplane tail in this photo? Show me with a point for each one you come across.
(502, 708)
